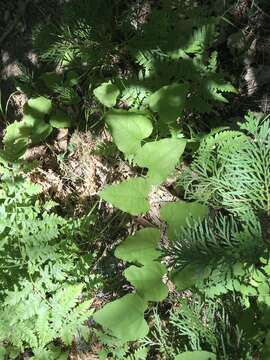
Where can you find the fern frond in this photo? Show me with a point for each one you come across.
(217, 240)
(232, 170)
(202, 37)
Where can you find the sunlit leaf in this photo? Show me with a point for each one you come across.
(141, 247)
(38, 107)
(196, 355)
(160, 157)
(129, 195)
(147, 281)
(169, 102)
(128, 129)
(107, 94)
(124, 317)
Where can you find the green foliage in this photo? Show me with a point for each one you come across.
(190, 275)
(169, 102)
(41, 294)
(118, 349)
(38, 107)
(128, 129)
(113, 317)
(33, 128)
(15, 143)
(130, 195)
(60, 120)
(180, 213)
(217, 255)
(225, 255)
(160, 73)
(28, 319)
(165, 62)
(107, 94)
(139, 354)
(142, 247)
(160, 157)
(196, 355)
(231, 168)
(147, 281)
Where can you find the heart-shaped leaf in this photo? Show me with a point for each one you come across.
(128, 129)
(36, 128)
(129, 195)
(147, 281)
(38, 107)
(160, 157)
(169, 102)
(107, 94)
(60, 120)
(124, 317)
(141, 247)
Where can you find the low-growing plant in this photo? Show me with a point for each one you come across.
(43, 274)
(33, 128)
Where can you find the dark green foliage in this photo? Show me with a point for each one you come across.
(216, 239)
(104, 41)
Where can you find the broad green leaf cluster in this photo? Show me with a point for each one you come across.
(147, 279)
(33, 128)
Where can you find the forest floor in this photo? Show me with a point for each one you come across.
(69, 170)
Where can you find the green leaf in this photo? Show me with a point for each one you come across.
(141, 247)
(189, 276)
(147, 281)
(186, 278)
(60, 120)
(196, 355)
(160, 157)
(38, 107)
(36, 128)
(67, 335)
(12, 133)
(3, 353)
(129, 196)
(124, 317)
(107, 94)
(15, 142)
(14, 152)
(179, 214)
(169, 102)
(128, 129)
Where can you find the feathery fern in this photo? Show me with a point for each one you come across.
(41, 297)
(232, 169)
